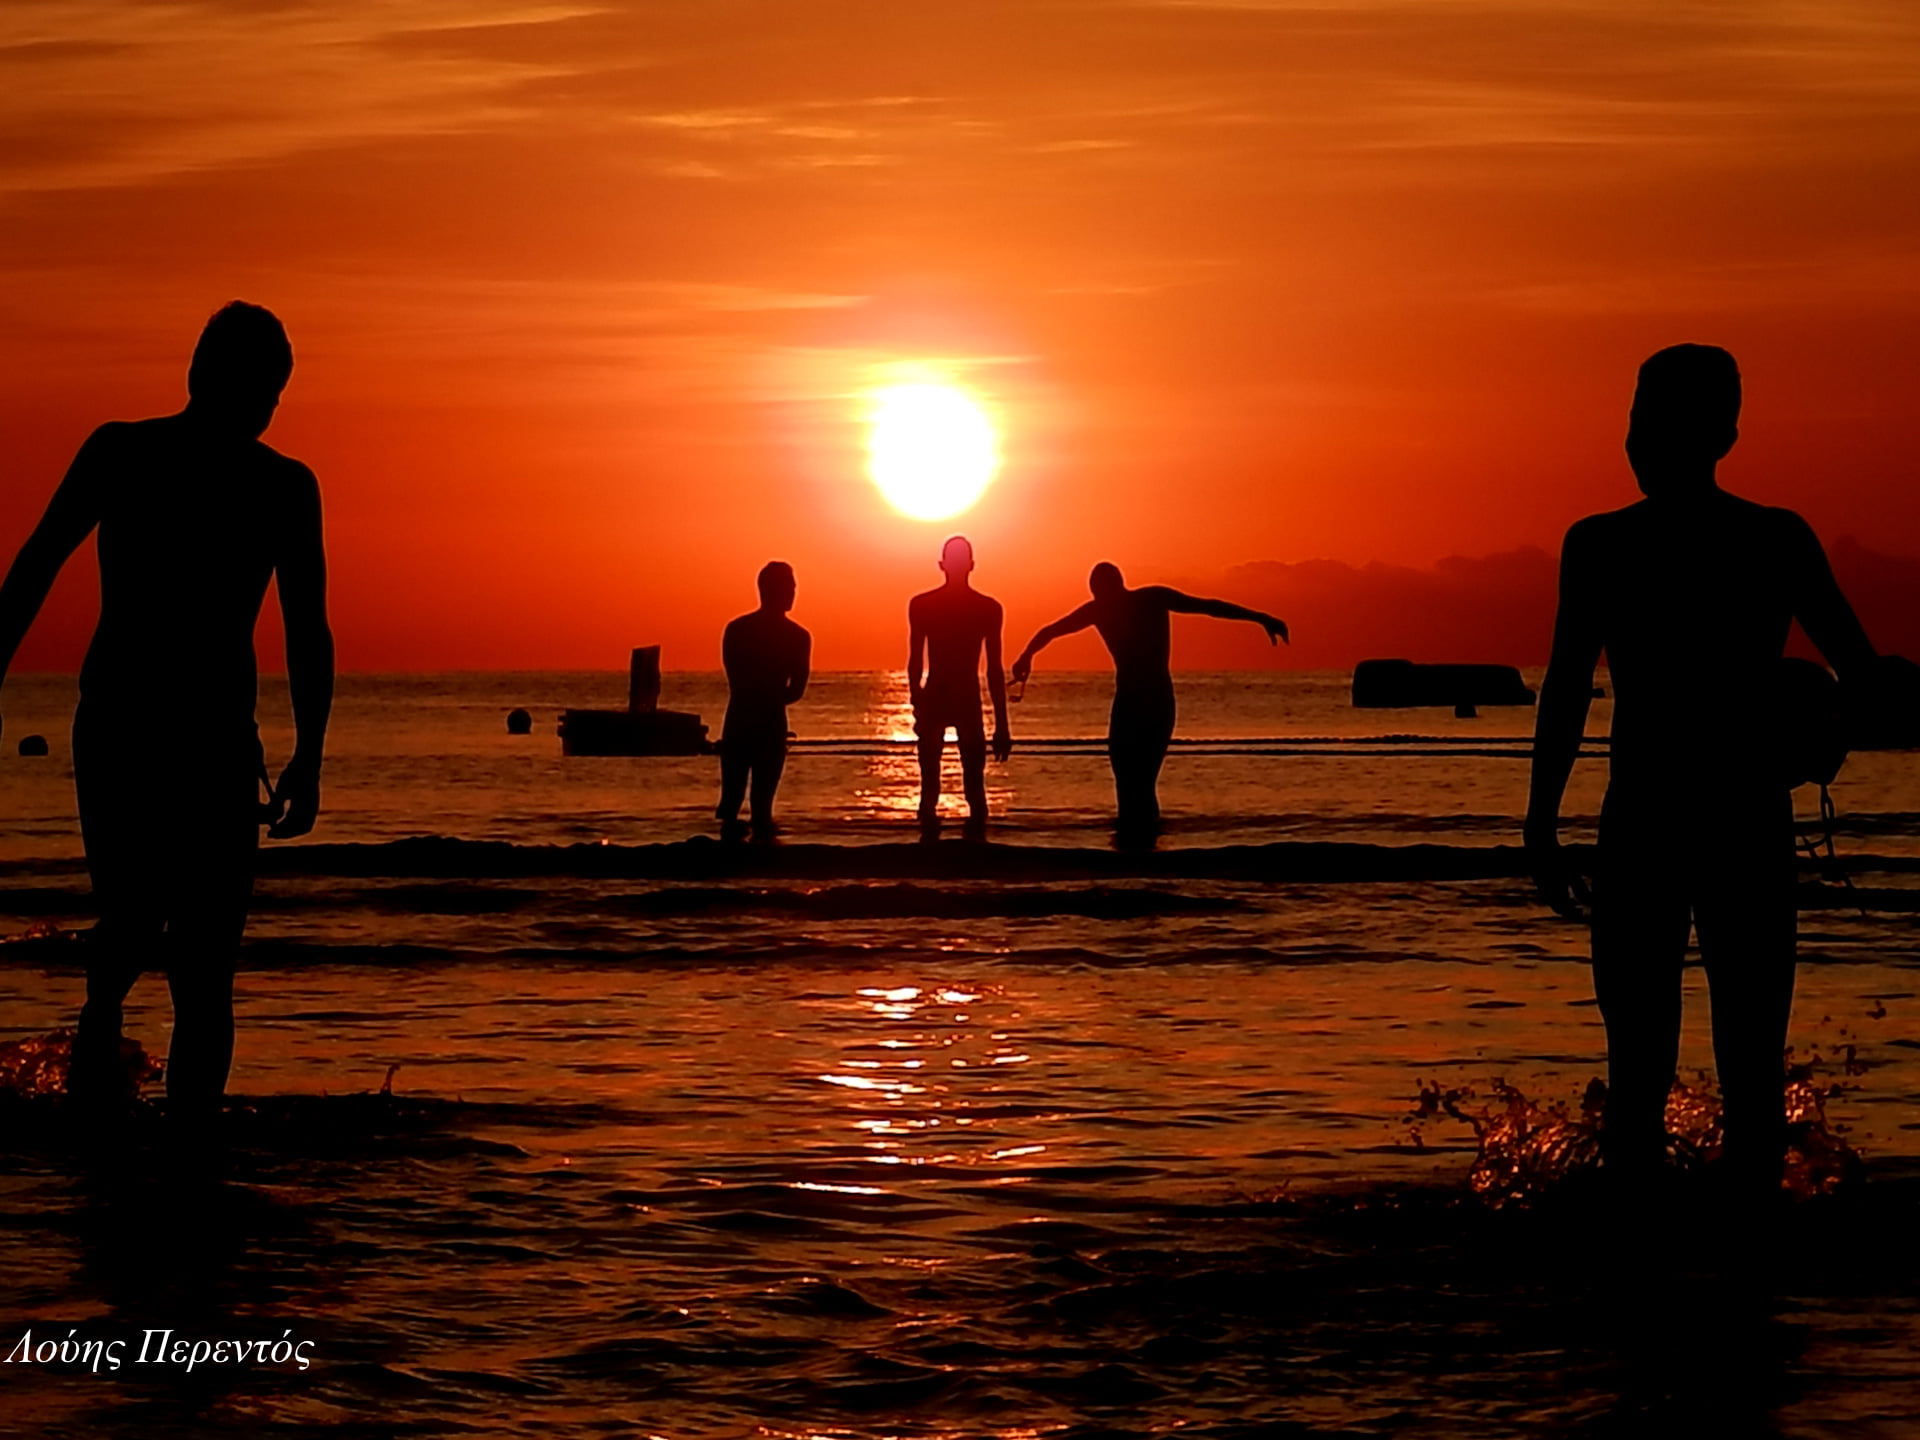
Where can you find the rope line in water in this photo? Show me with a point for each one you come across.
(1490, 748)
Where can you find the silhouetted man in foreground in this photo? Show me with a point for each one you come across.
(949, 627)
(196, 516)
(766, 656)
(1690, 592)
(1138, 636)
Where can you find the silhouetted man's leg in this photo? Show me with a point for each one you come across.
(1641, 916)
(932, 740)
(734, 765)
(1138, 735)
(768, 765)
(202, 1050)
(118, 949)
(116, 797)
(1746, 918)
(971, 740)
(202, 949)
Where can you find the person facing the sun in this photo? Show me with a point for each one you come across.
(1138, 636)
(949, 628)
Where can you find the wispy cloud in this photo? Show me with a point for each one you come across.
(101, 92)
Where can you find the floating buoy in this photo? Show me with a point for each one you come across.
(519, 722)
(33, 745)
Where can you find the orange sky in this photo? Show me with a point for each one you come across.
(583, 295)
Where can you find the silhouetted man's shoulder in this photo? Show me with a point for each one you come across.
(1609, 526)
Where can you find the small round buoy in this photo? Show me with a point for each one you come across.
(519, 722)
(33, 745)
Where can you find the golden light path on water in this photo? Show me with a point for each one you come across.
(931, 448)
(928, 1033)
(890, 785)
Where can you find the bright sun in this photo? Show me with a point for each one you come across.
(930, 448)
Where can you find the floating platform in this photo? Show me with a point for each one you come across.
(632, 732)
(1403, 685)
(640, 729)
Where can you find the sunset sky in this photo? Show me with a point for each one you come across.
(586, 298)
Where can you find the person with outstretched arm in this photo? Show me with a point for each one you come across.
(1138, 635)
(195, 517)
(1690, 593)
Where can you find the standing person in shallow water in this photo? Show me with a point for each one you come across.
(196, 516)
(1138, 636)
(948, 630)
(1690, 593)
(766, 656)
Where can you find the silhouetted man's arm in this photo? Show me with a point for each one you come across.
(1185, 604)
(1823, 612)
(70, 516)
(803, 660)
(997, 688)
(730, 658)
(301, 573)
(1066, 625)
(916, 653)
(1565, 697)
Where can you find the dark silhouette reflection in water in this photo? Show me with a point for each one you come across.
(766, 657)
(1134, 625)
(196, 517)
(1690, 593)
(949, 629)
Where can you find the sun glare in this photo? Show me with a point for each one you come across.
(931, 449)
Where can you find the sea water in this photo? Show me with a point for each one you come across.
(1123, 1152)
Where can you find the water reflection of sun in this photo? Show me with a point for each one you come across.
(911, 1085)
(891, 784)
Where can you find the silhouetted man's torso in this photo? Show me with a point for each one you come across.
(957, 623)
(1135, 626)
(1692, 599)
(764, 654)
(191, 526)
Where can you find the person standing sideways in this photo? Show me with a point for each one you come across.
(196, 516)
(767, 658)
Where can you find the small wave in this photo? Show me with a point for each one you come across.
(900, 901)
(445, 857)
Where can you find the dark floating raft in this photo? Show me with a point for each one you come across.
(643, 728)
(1401, 685)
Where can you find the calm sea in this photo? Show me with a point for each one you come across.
(892, 1146)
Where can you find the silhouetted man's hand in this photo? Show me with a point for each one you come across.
(1276, 629)
(1002, 744)
(1553, 877)
(1022, 668)
(298, 798)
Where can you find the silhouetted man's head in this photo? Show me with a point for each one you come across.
(956, 557)
(777, 586)
(1105, 580)
(1686, 413)
(239, 368)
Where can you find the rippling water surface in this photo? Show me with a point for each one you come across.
(1133, 1154)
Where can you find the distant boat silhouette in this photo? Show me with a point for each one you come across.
(640, 729)
(1401, 684)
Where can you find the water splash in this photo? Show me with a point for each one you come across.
(1528, 1151)
(36, 1068)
